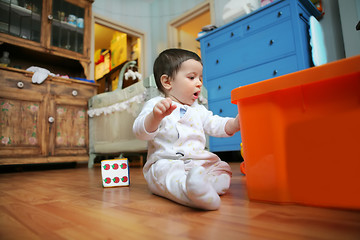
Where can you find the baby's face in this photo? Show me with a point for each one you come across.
(186, 85)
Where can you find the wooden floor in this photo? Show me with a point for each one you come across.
(72, 204)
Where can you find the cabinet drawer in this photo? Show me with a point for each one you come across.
(256, 49)
(72, 90)
(257, 22)
(221, 37)
(223, 108)
(247, 26)
(221, 87)
(225, 144)
(19, 82)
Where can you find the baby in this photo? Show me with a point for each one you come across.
(178, 167)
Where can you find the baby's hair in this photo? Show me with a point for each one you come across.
(169, 61)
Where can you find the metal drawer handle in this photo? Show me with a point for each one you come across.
(279, 14)
(74, 93)
(232, 34)
(208, 44)
(20, 84)
(51, 119)
(219, 87)
(271, 42)
(248, 27)
(302, 17)
(220, 110)
(275, 72)
(217, 61)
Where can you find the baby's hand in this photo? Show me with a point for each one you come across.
(163, 108)
(232, 126)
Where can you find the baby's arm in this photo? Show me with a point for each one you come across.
(161, 110)
(232, 125)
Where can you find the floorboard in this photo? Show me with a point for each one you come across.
(71, 203)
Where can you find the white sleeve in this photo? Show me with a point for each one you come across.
(214, 125)
(139, 123)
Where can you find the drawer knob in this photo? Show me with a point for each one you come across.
(208, 44)
(279, 14)
(217, 61)
(50, 17)
(220, 111)
(20, 84)
(271, 42)
(74, 93)
(51, 119)
(248, 27)
(231, 34)
(219, 87)
(275, 72)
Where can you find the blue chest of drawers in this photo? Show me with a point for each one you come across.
(272, 41)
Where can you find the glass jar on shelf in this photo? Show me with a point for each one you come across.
(5, 60)
(67, 29)
(21, 18)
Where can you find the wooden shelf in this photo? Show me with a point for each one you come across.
(45, 44)
(105, 81)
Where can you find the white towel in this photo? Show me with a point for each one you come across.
(317, 42)
(40, 74)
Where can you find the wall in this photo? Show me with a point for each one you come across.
(350, 16)
(331, 26)
(147, 16)
(132, 14)
(152, 16)
(103, 37)
(163, 11)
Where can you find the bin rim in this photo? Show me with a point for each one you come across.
(330, 70)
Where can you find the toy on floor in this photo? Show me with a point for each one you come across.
(115, 172)
(242, 165)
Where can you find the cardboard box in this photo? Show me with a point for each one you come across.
(118, 48)
(103, 65)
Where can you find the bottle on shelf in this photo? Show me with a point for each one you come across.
(5, 60)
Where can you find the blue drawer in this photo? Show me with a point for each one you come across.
(247, 25)
(225, 108)
(279, 13)
(256, 49)
(220, 88)
(227, 35)
(225, 144)
(266, 43)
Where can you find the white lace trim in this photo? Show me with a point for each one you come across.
(132, 105)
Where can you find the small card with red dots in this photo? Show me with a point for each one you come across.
(115, 172)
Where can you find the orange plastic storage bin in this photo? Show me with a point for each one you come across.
(301, 136)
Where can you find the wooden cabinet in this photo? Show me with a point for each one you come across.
(269, 42)
(57, 28)
(45, 122)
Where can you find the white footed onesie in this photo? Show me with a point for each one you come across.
(178, 167)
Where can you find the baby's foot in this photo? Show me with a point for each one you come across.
(221, 183)
(200, 190)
